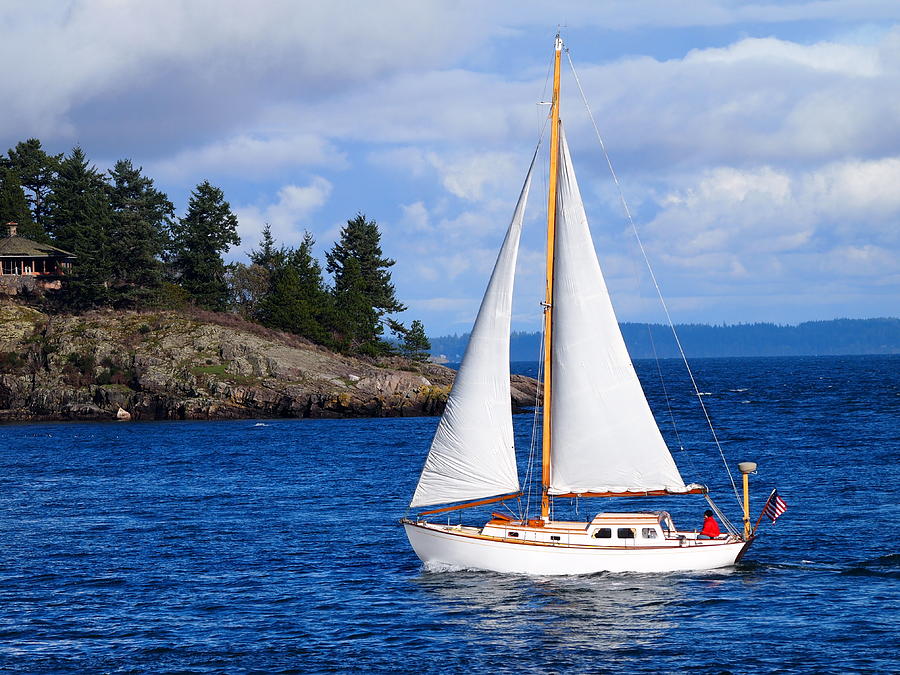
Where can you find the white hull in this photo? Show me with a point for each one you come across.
(440, 545)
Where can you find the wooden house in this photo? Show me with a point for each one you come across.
(30, 265)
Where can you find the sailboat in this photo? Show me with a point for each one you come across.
(599, 437)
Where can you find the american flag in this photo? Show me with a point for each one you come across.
(774, 507)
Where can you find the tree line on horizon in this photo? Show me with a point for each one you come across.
(647, 341)
(132, 252)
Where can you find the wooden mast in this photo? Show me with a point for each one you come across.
(548, 298)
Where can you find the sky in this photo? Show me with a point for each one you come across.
(757, 145)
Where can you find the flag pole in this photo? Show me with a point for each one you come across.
(746, 468)
(758, 520)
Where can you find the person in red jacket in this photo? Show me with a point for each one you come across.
(710, 526)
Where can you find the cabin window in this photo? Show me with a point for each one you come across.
(603, 533)
(625, 533)
(554, 537)
(649, 533)
(512, 534)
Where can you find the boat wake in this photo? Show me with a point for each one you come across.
(886, 566)
(439, 567)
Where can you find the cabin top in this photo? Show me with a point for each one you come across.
(649, 516)
(14, 246)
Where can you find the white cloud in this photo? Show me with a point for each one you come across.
(250, 157)
(808, 240)
(287, 216)
(756, 101)
(205, 65)
(767, 210)
(415, 217)
(449, 267)
(827, 57)
(857, 190)
(471, 176)
(409, 159)
(862, 261)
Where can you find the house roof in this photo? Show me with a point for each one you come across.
(19, 247)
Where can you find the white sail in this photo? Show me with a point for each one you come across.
(472, 455)
(603, 435)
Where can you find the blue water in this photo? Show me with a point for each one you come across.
(274, 546)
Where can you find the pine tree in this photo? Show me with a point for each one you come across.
(353, 321)
(37, 172)
(415, 342)
(80, 219)
(142, 216)
(14, 208)
(363, 292)
(248, 285)
(199, 240)
(297, 300)
(267, 255)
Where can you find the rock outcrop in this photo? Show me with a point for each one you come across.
(170, 365)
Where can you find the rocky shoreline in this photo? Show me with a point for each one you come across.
(198, 365)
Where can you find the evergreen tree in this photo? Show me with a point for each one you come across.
(415, 342)
(142, 216)
(37, 172)
(199, 240)
(267, 255)
(14, 208)
(248, 285)
(297, 300)
(353, 321)
(363, 292)
(80, 218)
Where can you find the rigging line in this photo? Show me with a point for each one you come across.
(526, 487)
(529, 471)
(662, 382)
(506, 506)
(653, 278)
(532, 453)
(546, 118)
(547, 77)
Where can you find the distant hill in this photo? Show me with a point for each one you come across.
(811, 338)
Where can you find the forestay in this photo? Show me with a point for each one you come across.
(472, 455)
(603, 435)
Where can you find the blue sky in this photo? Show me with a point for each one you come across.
(758, 144)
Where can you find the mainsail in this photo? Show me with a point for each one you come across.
(603, 435)
(472, 454)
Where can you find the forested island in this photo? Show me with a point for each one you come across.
(108, 301)
(644, 341)
(127, 251)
